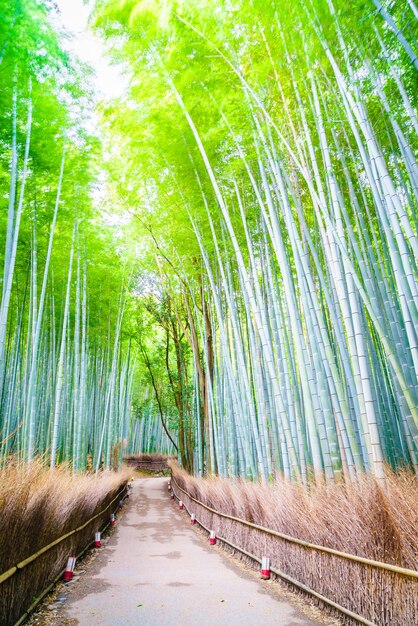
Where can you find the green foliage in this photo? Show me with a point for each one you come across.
(49, 393)
(265, 151)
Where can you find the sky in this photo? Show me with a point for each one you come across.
(109, 83)
(88, 47)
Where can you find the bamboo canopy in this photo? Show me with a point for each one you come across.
(255, 308)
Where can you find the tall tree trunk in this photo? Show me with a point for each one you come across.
(205, 415)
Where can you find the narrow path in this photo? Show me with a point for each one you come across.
(157, 571)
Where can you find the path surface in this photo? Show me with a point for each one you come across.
(158, 571)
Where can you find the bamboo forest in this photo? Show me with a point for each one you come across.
(216, 265)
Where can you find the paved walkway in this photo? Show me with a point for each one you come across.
(158, 571)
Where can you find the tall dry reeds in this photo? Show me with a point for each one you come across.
(37, 507)
(148, 458)
(153, 462)
(360, 518)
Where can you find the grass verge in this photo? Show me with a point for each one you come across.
(360, 518)
(37, 507)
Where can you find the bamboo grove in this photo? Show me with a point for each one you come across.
(65, 375)
(265, 154)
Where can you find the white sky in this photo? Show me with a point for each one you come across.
(109, 83)
(88, 47)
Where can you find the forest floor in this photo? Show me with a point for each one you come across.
(157, 570)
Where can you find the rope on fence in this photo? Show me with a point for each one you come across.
(359, 559)
(45, 592)
(280, 574)
(22, 564)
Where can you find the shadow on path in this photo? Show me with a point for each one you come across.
(157, 571)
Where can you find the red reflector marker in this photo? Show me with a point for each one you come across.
(265, 568)
(69, 570)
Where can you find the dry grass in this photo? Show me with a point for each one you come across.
(359, 518)
(36, 508)
(148, 458)
(150, 464)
